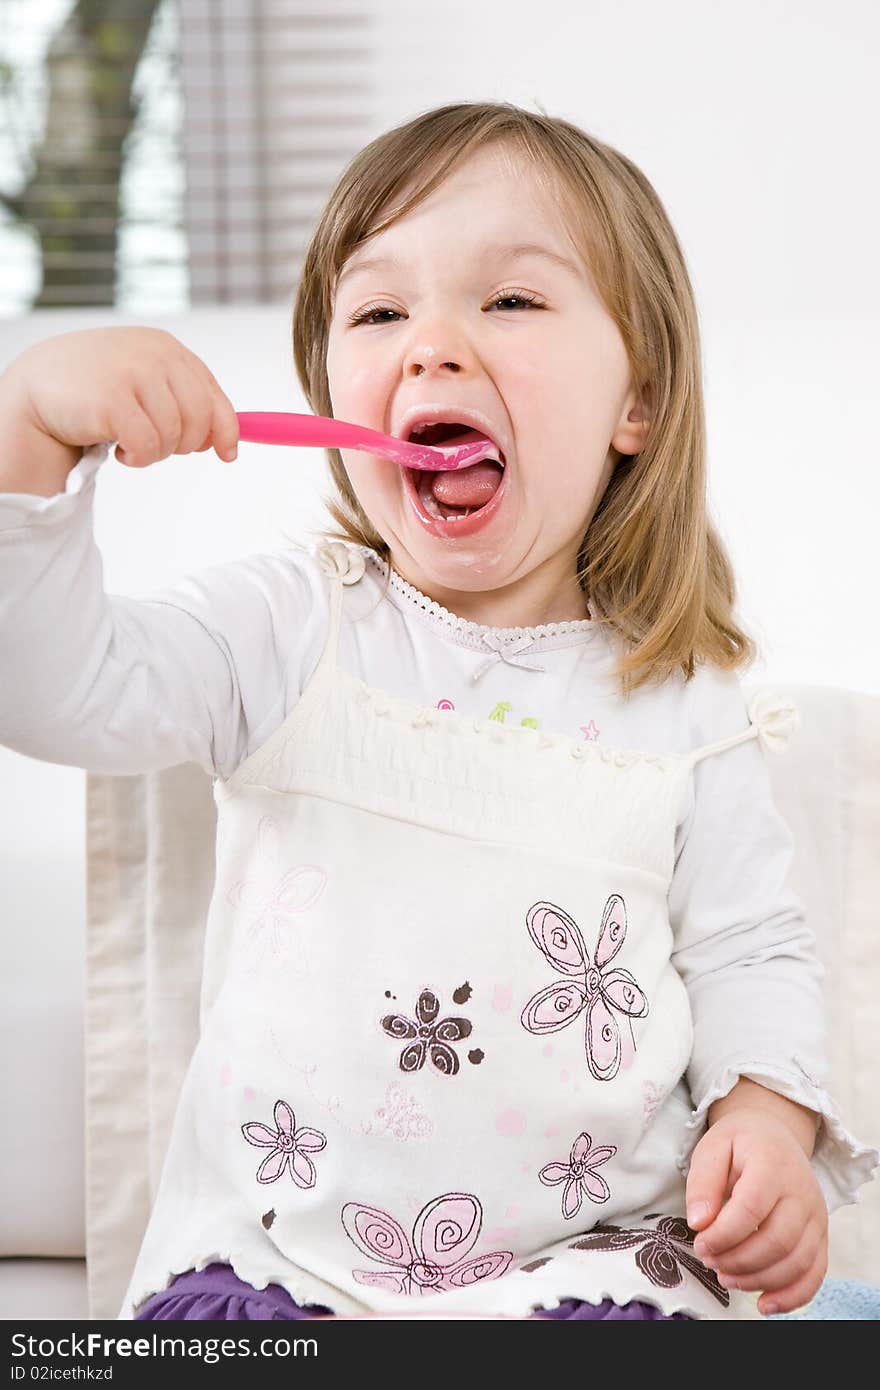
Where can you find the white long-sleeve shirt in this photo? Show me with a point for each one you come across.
(206, 669)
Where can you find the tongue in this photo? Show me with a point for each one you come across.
(467, 487)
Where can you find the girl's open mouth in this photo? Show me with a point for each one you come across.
(459, 502)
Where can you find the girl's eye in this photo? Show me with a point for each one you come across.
(365, 315)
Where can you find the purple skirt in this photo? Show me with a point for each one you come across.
(216, 1294)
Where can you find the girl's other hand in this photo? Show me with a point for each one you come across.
(772, 1233)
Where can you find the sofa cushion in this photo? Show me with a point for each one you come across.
(41, 1042)
(43, 1289)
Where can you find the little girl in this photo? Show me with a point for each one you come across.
(505, 998)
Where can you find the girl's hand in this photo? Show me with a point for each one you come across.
(139, 386)
(772, 1234)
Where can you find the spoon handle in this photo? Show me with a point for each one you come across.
(282, 427)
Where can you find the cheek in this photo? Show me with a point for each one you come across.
(374, 485)
(360, 382)
(561, 475)
(367, 395)
(356, 383)
(564, 489)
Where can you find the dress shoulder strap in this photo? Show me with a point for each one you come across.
(773, 719)
(342, 565)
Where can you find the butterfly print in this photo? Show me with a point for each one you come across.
(654, 1096)
(275, 899)
(434, 1259)
(401, 1117)
(589, 986)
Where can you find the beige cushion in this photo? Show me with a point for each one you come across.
(42, 984)
(150, 852)
(43, 1289)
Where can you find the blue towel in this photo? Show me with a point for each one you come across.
(841, 1300)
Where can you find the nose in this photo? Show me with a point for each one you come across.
(424, 359)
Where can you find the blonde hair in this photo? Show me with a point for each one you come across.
(651, 563)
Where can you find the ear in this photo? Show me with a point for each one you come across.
(634, 424)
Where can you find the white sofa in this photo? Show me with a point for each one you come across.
(827, 784)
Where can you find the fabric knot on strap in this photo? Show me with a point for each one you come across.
(776, 718)
(340, 561)
(506, 651)
(426, 717)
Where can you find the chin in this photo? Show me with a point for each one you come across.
(466, 570)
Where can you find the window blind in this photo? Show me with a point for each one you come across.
(205, 185)
(277, 101)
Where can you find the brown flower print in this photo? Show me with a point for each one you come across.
(429, 1037)
(659, 1252)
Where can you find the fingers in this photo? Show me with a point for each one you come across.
(784, 1230)
(210, 420)
(753, 1197)
(789, 1284)
(161, 404)
(138, 439)
(794, 1295)
(224, 426)
(178, 411)
(708, 1178)
(786, 1273)
(787, 1258)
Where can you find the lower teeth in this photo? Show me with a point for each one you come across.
(432, 506)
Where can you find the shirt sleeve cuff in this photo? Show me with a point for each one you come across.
(840, 1163)
(21, 509)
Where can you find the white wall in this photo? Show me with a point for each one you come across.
(757, 124)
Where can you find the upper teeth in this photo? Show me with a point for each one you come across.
(429, 424)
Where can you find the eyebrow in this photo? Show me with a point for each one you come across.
(519, 251)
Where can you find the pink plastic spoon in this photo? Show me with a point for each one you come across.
(281, 427)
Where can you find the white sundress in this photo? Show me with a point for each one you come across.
(443, 1044)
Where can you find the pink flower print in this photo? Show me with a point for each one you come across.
(430, 1038)
(659, 1253)
(445, 1231)
(290, 1147)
(654, 1096)
(275, 898)
(589, 986)
(579, 1175)
(401, 1117)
